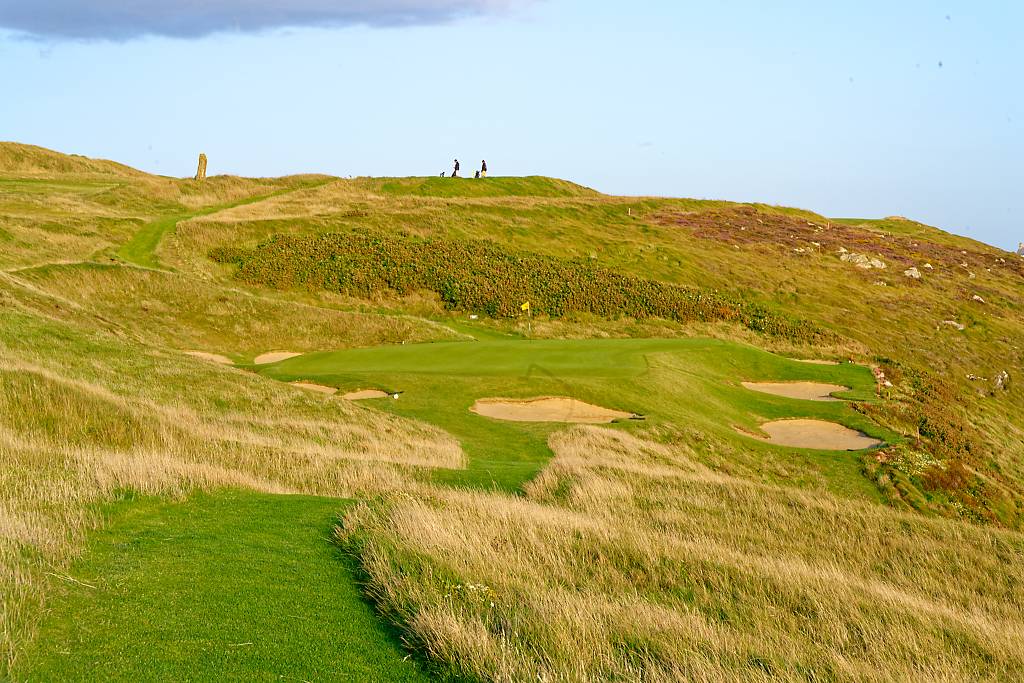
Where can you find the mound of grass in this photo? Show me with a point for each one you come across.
(478, 276)
(529, 186)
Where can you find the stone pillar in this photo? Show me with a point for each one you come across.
(201, 171)
(1020, 248)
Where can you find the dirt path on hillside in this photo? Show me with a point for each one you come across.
(546, 409)
(805, 391)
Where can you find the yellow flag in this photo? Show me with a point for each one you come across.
(525, 306)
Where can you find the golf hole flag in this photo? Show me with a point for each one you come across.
(525, 306)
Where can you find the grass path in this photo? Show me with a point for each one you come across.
(231, 586)
(141, 248)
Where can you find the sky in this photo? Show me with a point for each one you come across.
(864, 109)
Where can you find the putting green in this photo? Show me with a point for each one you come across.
(684, 382)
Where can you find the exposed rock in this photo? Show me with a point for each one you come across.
(861, 261)
(201, 171)
(1020, 249)
(929, 266)
(913, 272)
(953, 323)
(978, 299)
(1003, 381)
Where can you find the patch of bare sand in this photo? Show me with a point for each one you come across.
(274, 357)
(815, 361)
(313, 386)
(212, 357)
(364, 394)
(546, 409)
(806, 391)
(816, 434)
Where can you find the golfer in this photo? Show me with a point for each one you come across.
(483, 169)
(455, 172)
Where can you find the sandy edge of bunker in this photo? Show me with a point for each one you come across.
(801, 390)
(818, 435)
(313, 386)
(364, 394)
(212, 357)
(546, 409)
(274, 357)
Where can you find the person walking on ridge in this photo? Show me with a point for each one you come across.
(483, 168)
(455, 171)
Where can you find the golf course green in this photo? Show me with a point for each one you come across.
(667, 381)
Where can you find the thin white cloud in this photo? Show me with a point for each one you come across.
(127, 19)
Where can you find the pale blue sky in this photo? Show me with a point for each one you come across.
(843, 110)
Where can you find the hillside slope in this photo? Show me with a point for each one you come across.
(135, 312)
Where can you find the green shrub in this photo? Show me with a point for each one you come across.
(480, 276)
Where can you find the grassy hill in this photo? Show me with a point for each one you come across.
(156, 474)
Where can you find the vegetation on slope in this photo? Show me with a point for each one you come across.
(477, 276)
(630, 560)
(668, 548)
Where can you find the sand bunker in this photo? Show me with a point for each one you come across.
(817, 434)
(364, 394)
(212, 357)
(807, 391)
(312, 386)
(814, 361)
(274, 356)
(546, 409)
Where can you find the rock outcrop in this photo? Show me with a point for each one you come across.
(1003, 381)
(201, 171)
(861, 260)
(1020, 249)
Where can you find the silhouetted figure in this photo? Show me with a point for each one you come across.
(483, 169)
(455, 171)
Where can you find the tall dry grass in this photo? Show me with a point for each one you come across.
(628, 560)
(85, 416)
(174, 311)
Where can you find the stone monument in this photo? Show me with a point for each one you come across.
(201, 171)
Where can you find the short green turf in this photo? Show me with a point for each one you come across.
(669, 381)
(231, 586)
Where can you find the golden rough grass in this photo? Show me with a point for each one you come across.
(630, 561)
(171, 310)
(85, 417)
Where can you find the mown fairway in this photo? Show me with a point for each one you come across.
(691, 382)
(237, 586)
